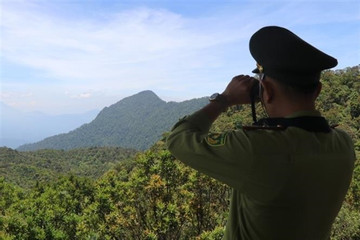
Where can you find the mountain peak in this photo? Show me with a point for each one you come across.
(142, 99)
(146, 92)
(147, 95)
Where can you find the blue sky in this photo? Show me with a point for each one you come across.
(71, 56)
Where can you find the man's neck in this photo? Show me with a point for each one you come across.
(284, 110)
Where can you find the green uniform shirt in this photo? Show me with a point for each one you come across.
(287, 184)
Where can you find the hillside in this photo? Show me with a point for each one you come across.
(26, 168)
(135, 122)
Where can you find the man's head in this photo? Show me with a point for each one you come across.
(291, 66)
(281, 99)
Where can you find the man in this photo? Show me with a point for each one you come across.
(290, 173)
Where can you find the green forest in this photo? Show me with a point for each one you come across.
(114, 193)
(25, 169)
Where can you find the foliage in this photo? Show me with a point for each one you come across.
(156, 197)
(49, 211)
(27, 168)
(347, 224)
(159, 198)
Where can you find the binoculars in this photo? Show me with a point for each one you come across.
(255, 92)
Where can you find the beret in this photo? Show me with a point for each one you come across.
(284, 56)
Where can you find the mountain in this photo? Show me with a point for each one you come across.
(17, 127)
(135, 122)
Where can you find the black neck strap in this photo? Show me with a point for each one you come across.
(308, 123)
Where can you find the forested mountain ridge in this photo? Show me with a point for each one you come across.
(134, 122)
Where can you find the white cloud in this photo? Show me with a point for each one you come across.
(82, 95)
(132, 47)
(18, 99)
(12, 95)
(120, 52)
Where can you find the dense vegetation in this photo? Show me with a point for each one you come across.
(135, 122)
(154, 196)
(25, 169)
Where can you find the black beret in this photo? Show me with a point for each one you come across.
(284, 56)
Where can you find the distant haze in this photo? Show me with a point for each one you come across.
(19, 127)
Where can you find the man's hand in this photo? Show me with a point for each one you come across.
(238, 90)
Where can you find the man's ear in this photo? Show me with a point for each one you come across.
(268, 91)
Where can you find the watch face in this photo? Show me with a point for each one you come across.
(213, 96)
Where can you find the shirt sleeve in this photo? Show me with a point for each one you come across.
(226, 156)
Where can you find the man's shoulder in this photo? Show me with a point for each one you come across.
(342, 136)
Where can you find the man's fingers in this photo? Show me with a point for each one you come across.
(241, 77)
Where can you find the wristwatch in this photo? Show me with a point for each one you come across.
(217, 97)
